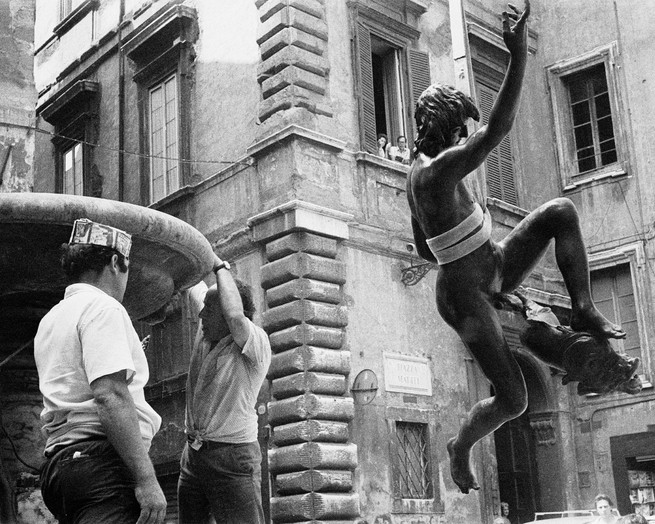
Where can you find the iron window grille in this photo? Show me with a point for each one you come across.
(413, 479)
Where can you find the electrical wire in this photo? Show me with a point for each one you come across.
(13, 447)
(123, 151)
(638, 234)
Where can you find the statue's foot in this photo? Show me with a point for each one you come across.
(591, 320)
(460, 469)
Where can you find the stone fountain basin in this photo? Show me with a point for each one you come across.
(167, 254)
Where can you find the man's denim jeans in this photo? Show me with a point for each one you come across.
(89, 483)
(223, 480)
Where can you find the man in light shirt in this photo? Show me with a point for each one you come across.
(220, 468)
(92, 371)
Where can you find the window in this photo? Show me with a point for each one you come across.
(618, 281)
(163, 139)
(412, 475)
(73, 171)
(65, 8)
(588, 115)
(73, 113)
(613, 294)
(591, 115)
(161, 52)
(390, 76)
(489, 66)
(388, 96)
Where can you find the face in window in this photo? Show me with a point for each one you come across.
(402, 143)
(603, 507)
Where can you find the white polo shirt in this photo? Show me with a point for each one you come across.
(86, 336)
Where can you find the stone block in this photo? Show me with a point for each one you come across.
(311, 431)
(292, 56)
(312, 455)
(304, 288)
(305, 311)
(294, 76)
(292, 17)
(313, 480)
(306, 334)
(301, 242)
(309, 382)
(303, 265)
(294, 96)
(309, 358)
(314, 506)
(292, 38)
(310, 406)
(270, 7)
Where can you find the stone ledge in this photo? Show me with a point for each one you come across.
(297, 132)
(298, 215)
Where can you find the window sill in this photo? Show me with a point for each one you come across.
(600, 175)
(175, 197)
(412, 506)
(74, 17)
(367, 158)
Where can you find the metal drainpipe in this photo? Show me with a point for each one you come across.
(121, 104)
(642, 400)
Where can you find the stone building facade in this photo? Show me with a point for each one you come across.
(256, 121)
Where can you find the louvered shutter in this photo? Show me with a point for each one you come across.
(366, 96)
(499, 164)
(419, 72)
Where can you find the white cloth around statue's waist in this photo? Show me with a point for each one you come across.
(455, 243)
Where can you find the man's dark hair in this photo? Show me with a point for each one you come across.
(76, 259)
(439, 110)
(246, 297)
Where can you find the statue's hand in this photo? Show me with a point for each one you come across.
(516, 35)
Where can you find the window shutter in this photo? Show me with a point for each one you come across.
(366, 96)
(419, 73)
(499, 164)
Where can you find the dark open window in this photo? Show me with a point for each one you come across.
(390, 76)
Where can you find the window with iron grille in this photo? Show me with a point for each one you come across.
(412, 475)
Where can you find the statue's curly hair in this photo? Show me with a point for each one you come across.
(439, 110)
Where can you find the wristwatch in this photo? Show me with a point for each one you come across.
(223, 265)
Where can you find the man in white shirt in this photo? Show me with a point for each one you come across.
(220, 468)
(92, 371)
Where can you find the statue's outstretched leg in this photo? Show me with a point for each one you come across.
(524, 246)
(476, 321)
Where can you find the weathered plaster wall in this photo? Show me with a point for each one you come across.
(386, 316)
(18, 95)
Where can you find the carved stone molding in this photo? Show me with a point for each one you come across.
(543, 426)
